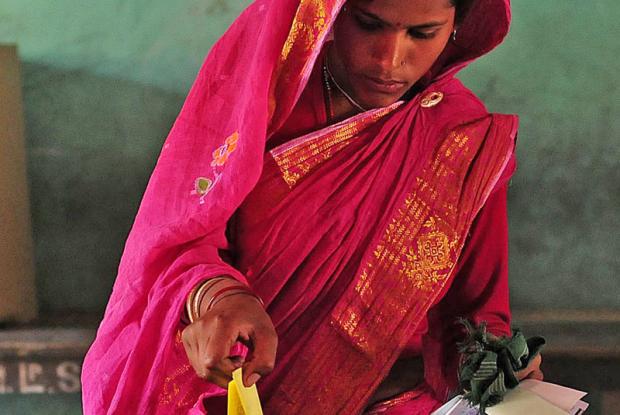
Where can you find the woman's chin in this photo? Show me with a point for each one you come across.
(380, 101)
(373, 94)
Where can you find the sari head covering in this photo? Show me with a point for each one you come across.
(213, 159)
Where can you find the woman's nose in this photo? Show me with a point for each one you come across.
(390, 51)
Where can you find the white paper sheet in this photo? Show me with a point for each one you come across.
(531, 397)
(456, 406)
(520, 401)
(580, 408)
(560, 396)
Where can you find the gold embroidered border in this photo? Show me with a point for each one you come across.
(306, 153)
(310, 25)
(414, 257)
(174, 390)
(309, 21)
(341, 373)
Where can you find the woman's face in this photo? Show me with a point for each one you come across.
(382, 47)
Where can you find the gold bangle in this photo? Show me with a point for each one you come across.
(214, 300)
(192, 304)
(188, 304)
(200, 293)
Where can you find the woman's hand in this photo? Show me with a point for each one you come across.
(208, 340)
(531, 371)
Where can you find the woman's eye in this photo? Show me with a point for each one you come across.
(366, 25)
(422, 35)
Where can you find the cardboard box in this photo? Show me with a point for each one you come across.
(18, 301)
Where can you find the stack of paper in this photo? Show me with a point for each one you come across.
(531, 397)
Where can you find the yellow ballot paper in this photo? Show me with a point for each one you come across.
(242, 400)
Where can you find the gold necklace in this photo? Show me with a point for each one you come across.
(328, 93)
(328, 76)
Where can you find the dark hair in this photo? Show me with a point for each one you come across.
(462, 7)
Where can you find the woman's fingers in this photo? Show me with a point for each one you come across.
(263, 356)
(536, 375)
(209, 340)
(532, 371)
(214, 350)
(206, 356)
(215, 357)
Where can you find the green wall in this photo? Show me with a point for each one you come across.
(559, 72)
(104, 80)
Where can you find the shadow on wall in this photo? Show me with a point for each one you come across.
(92, 143)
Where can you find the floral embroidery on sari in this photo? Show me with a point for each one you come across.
(204, 185)
(220, 155)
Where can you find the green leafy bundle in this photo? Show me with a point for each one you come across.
(489, 363)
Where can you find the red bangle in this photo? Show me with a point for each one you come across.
(200, 294)
(240, 288)
(240, 292)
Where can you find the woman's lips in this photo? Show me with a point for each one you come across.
(386, 86)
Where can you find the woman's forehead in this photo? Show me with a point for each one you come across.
(405, 12)
(413, 4)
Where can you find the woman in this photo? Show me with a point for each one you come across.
(375, 218)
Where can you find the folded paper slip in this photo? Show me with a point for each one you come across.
(242, 400)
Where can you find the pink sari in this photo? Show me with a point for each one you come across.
(350, 234)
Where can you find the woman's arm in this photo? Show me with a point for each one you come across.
(224, 314)
(480, 290)
(223, 320)
(479, 293)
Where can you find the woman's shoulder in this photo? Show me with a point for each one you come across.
(452, 101)
(449, 104)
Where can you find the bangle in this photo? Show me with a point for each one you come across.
(222, 291)
(240, 292)
(239, 289)
(188, 304)
(192, 304)
(200, 293)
